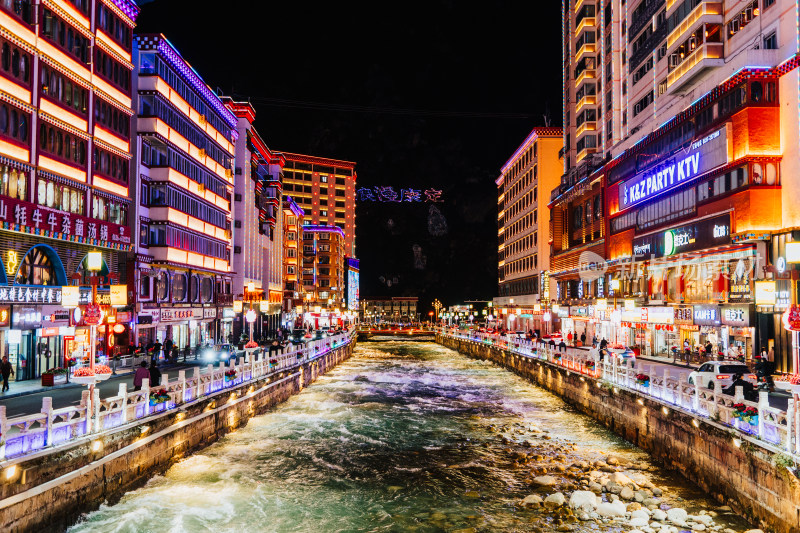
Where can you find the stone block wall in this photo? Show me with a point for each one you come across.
(745, 477)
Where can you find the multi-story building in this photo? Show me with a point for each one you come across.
(65, 118)
(395, 309)
(699, 142)
(325, 189)
(257, 245)
(523, 190)
(183, 148)
(324, 253)
(293, 291)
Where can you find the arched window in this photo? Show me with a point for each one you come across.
(206, 291)
(40, 266)
(179, 288)
(162, 286)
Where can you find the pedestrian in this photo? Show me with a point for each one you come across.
(603, 344)
(569, 337)
(6, 371)
(141, 373)
(562, 346)
(771, 355)
(156, 351)
(155, 375)
(594, 340)
(552, 343)
(709, 349)
(583, 339)
(168, 344)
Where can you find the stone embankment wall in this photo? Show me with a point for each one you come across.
(50, 490)
(746, 477)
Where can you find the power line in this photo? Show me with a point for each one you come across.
(323, 106)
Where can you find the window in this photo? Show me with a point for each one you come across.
(144, 234)
(165, 194)
(163, 156)
(65, 36)
(771, 41)
(20, 8)
(13, 182)
(64, 90)
(110, 165)
(59, 196)
(36, 269)
(109, 210)
(178, 287)
(144, 287)
(57, 142)
(14, 123)
(15, 62)
(111, 117)
(112, 70)
(112, 25)
(290, 269)
(642, 104)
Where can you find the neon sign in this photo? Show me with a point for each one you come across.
(703, 155)
(389, 194)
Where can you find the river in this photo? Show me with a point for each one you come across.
(404, 436)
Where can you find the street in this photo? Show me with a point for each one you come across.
(66, 396)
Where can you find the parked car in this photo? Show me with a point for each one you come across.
(218, 353)
(722, 372)
(298, 336)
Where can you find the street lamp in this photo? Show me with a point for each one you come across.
(94, 263)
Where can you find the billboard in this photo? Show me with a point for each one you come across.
(352, 289)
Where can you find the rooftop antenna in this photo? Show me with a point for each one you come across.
(546, 115)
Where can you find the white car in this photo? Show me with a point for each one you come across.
(722, 372)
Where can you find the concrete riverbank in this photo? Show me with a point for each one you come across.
(750, 479)
(49, 490)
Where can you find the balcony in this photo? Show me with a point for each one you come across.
(584, 153)
(586, 22)
(705, 56)
(587, 74)
(585, 127)
(579, 5)
(704, 13)
(589, 99)
(587, 48)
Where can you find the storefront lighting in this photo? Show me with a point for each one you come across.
(665, 410)
(11, 471)
(97, 446)
(695, 423)
(793, 252)
(94, 261)
(615, 284)
(630, 305)
(640, 401)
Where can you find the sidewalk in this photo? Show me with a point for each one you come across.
(34, 386)
(668, 361)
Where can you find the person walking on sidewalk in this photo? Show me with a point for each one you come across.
(6, 371)
(155, 375)
(141, 373)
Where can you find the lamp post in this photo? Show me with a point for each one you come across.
(615, 288)
(94, 262)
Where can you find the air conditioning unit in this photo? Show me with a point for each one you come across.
(237, 249)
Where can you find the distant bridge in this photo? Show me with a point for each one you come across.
(396, 333)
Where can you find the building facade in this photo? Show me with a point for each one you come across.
(324, 255)
(257, 226)
(523, 221)
(183, 147)
(65, 120)
(696, 129)
(325, 189)
(395, 309)
(293, 289)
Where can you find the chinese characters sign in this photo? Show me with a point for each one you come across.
(389, 194)
(40, 220)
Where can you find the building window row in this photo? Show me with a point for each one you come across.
(643, 104)
(65, 145)
(112, 70)
(152, 105)
(109, 210)
(153, 64)
(111, 117)
(520, 287)
(743, 18)
(522, 224)
(65, 36)
(13, 182)
(113, 26)
(57, 196)
(166, 156)
(15, 62)
(110, 165)
(163, 235)
(19, 8)
(163, 194)
(59, 87)
(14, 123)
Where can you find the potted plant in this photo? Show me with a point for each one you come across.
(158, 396)
(273, 363)
(643, 380)
(102, 372)
(230, 375)
(48, 376)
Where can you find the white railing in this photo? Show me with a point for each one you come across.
(26, 434)
(667, 385)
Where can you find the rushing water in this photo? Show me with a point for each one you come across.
(402, 437)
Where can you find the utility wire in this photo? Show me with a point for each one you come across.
(323, 106)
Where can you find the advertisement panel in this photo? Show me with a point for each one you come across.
(708, 233)
(352, 290)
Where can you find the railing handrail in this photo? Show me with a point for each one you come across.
(772, 426)
(126, 406)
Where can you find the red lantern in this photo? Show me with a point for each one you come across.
(119, 328)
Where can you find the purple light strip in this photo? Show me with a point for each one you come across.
(328, 229)
(176, 60)
(294, 208)
(127, 7)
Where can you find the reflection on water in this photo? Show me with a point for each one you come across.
(402, 437)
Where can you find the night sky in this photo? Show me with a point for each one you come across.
(425, 95)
